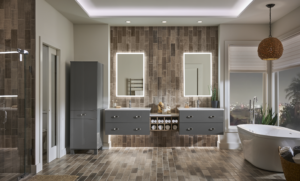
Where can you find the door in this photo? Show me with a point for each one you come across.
(49, 101)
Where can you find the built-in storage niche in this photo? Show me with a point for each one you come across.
(164, 122)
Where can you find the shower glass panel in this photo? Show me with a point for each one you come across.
(15, 115)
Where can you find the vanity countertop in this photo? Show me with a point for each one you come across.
(128, 109)
(199, 109)
(164, 115)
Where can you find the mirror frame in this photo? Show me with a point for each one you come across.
(117, 74)
(184, 75)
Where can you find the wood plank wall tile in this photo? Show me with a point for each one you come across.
(163, 48)
(17, 30)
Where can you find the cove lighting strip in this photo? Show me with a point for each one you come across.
(172, 8)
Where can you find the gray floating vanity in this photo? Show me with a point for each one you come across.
(136, 121)
(127, 121)
(201, 121)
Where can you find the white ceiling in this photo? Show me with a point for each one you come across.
(231, 12)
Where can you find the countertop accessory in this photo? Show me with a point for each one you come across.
(160, 107)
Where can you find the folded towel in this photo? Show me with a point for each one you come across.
(287, 153)
(296, 158)
(296, 150)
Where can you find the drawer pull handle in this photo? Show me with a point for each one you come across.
(84, 114)
(81, 115)
(211, 129)
(210, 117)
(116, 129)
(138, 116)
(190, 129)
(138, 129)
(189, 116)
(115, 117)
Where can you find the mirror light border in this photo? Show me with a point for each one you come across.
(117, 73)
(184, 75)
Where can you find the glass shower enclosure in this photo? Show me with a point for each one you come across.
(16, 114)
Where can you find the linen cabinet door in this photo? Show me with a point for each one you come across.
(90, 85)
(77, 88)
(83, 134)
(77, 134)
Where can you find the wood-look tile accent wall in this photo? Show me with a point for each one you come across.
(163, 48)
(17, 30)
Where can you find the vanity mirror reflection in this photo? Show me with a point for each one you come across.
(130, 74)
(197, 74)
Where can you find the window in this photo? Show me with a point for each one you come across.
(289, 98)
(243, 88)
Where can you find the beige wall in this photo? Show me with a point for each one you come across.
(91, 43)
(54, 30)
(287, 23)
(230, 139)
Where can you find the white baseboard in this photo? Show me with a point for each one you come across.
(63, 152)
(229, 146)
(106, 146)
(36, 168)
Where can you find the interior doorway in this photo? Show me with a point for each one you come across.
(49, 81)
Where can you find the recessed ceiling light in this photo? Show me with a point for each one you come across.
(128, 22)
(164, 21)
(199, 21)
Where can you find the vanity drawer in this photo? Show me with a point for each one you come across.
(84, 114)
(201, 129)
(127, 116)
(202, 116)
(127, 129)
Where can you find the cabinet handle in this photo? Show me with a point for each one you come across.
(138, 129)
(138, 116)
(115, 117)
(81, 115)
(84, 114)
(189, 116)
(190, 129)
(115, 129)
(211, 129)
(210, 117)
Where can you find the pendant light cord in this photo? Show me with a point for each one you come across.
(270, 24)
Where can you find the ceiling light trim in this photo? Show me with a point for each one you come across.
(104, 12)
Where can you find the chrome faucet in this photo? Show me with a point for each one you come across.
(254, 101)
(197, 103)
(129, 103)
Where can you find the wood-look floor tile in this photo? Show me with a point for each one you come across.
(159, 164)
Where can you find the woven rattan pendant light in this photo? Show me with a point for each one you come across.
(270, 48)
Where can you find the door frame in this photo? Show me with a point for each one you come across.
(40, 113)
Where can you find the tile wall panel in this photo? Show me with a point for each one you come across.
(163, 48)
(17, 30)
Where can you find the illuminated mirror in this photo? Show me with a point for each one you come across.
(130, 75)
(197, 74)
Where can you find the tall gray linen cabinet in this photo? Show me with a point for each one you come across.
(86, 107)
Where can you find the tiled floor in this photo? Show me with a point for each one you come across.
(159, 164)
(9, 176)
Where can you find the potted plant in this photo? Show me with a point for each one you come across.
(268, 117)
(214, 98)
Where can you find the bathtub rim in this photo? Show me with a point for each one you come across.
(267, 136)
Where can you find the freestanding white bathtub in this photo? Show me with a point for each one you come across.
(260, 144)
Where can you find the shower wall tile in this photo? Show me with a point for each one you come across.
(163, 48)
(17, 30)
